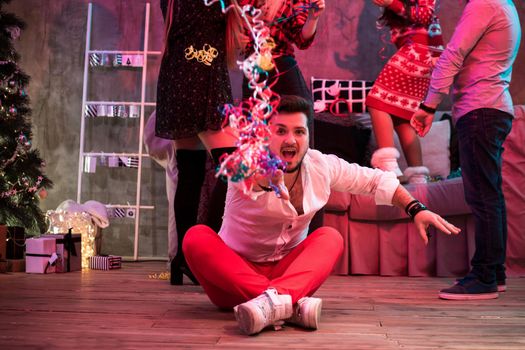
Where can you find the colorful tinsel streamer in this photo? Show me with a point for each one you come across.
(249, 120)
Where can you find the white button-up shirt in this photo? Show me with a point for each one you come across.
(478, 60)
(267, 228)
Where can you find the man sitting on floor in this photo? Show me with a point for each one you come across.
(262, 263)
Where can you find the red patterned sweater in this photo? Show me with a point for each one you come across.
(424, 25)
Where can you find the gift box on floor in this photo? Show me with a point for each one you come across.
(3, 239)
(60, 221)
(15, 265)
(41, 255)
(15, 242)
(69, 251)
(105, 262)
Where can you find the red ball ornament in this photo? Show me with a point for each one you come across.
(42, 194)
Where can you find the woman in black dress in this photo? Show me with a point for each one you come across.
(193, 84)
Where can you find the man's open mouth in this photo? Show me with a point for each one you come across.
(288, 154)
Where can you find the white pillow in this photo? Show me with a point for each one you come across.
(436, 149)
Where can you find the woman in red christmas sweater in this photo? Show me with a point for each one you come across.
(403, 83)
(292, 24)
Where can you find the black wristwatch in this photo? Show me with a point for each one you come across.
(426, 108)
(414, 207)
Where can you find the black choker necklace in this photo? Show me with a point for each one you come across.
(294, 181)
(269, 189)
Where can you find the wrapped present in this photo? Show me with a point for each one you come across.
(3, 239)
(61, 221)
(41, 255)
(105, 262)
(15, 242)
(69, 251)
(15, 265)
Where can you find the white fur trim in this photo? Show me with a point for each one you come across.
(417, 174)
(416, 170)
(386, 159)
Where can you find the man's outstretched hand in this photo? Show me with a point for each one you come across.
(425, 218)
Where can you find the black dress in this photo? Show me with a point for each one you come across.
(190, 92)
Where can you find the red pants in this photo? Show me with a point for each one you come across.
(228, 279)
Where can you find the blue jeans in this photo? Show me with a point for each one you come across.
(481, 134)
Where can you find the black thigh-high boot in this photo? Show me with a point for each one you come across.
(191, 166)
(218, 195)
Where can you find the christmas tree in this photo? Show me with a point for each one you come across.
(21, 176)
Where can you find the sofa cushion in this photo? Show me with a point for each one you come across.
(435, 147)
(454, 147)
(443, 197)
(342, 137)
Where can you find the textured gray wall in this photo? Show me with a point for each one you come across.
(52, 49)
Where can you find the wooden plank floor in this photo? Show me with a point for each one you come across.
(125, 309)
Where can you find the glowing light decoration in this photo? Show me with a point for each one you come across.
(23, 185)
(61, 221)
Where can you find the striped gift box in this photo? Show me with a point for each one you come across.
(119, 213)
(128, 162)
(133, 162)
(90, 164)
(117, 60)
(91, 111)
(95, 60)
(108, 262)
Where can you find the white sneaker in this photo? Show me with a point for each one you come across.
(267, 309)
(307, 313)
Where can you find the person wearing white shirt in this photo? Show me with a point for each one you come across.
(477, 64)
(263, 263)
(163, 152)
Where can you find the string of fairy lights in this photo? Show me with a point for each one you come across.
(60, 221)
(9, 89)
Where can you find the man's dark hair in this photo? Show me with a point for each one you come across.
(296, 104)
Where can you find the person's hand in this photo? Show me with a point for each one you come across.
(425, 218)
(421, 121)
(316, 12)
(264, 181)
(382, 3)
